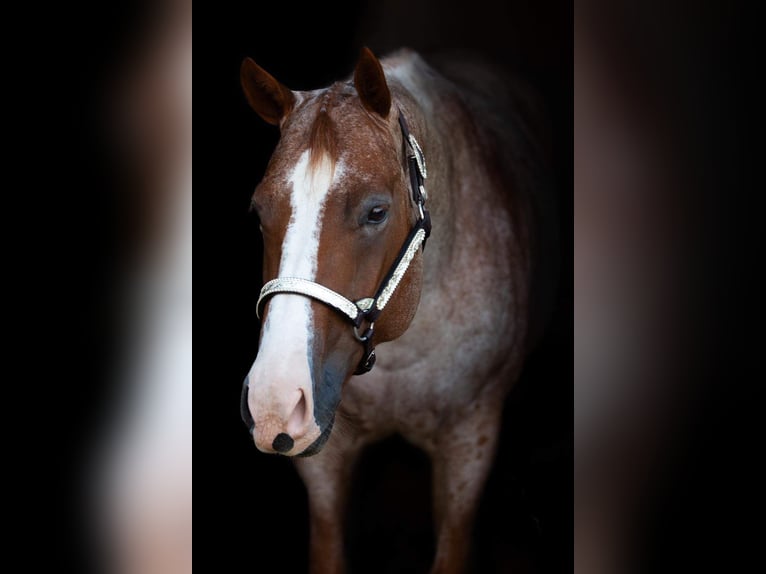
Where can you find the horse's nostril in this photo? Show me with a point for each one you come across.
(283, 442)
(297, 422)
(244, 408)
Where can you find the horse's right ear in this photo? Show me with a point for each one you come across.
(269, 98)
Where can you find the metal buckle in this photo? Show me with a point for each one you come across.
(365, 304)
(369, 362)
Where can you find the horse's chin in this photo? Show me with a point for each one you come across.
(316, 446)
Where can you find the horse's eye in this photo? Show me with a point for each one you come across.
(377, 214)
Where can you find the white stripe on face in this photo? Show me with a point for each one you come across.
(282, 365)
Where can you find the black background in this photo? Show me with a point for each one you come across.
(525, 517)
(63, 244)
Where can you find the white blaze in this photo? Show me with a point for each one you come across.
(282, 363)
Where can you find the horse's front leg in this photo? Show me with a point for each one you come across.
(327, 477)
(462, 458)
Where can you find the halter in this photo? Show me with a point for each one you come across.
(368, 309)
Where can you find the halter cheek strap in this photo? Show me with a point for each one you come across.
(368, 310)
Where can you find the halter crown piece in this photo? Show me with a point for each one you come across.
(367, 310)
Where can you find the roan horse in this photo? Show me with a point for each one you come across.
(345, 207)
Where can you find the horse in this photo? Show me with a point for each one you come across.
(398, 210)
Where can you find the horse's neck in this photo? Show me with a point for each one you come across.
(444, 129)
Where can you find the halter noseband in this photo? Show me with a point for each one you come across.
(368, 310)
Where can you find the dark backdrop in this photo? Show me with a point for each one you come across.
(61, 216)
(254, 505)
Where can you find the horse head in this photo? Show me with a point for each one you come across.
(336, 209)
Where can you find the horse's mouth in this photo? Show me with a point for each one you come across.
(319, 443)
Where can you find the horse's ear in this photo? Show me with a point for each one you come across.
(270, 99)
(370, 82)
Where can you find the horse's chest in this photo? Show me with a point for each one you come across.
(417, 384)
(385, 403)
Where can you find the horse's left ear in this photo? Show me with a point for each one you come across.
(370, 82)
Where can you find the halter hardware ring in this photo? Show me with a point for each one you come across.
(366, 335)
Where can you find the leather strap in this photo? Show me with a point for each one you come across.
(299, 286)
(367, 308)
